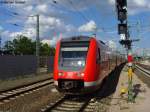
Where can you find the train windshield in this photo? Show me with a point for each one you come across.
(73, 57)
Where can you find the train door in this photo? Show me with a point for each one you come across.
(98, 62)
(104, 62)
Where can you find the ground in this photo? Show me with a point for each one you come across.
(10, 83)
(30, 102)
(141, 94)
(115, 103)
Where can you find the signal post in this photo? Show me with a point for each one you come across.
(123, 31)
(130, 76)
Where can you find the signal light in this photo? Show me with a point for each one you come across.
(121, 3)
(122, 15)
(122, 28)
(80, 74)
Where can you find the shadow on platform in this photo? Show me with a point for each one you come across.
(136, 90)
(110, 83)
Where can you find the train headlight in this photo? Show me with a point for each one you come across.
(79, 63)
(80, 74)
(60, 74)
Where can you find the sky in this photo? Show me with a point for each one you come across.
(65, 18)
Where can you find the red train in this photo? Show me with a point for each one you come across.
(81, 63)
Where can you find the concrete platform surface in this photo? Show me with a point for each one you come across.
(141, 94)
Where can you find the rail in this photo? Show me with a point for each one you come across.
(7, 95)
(144, 71)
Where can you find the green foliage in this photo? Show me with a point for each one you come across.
(24, 46)
(9, 46)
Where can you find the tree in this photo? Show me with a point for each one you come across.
(52, 51)
(8, 47)
(46, 50)
(22, 45)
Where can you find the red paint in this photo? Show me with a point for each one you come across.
(130, 58)
(93, 71)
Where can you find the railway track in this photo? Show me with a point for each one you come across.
(7, 95)
(71, 104)
(147, 67)
(99, 101)
(143, 74)
(145, 71)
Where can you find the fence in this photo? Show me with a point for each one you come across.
(13, 66)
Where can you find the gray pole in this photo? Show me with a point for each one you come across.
(37, 44)
(0, 43)
(138, 29)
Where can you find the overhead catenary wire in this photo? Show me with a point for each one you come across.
(85, 18)
(103, 29)
(15, 14)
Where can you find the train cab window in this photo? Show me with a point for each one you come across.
(73, 55)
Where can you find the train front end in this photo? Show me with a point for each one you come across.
(70, 65)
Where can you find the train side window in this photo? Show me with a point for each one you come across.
(98, 56)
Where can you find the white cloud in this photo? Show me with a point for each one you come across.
(112, 1)
(51, 16)
(140, 3)
(46, 41)
(43, 8)
(28, 8)
(105, 6)
(7, 35)
(48, 25)
(50, 20)
(70, 28)
(88, 27)
(29, 32)
(15, 34)
(51, 42)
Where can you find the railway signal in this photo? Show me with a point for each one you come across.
(122, 15)
(130, 76)
(122, 10)
(122, 3)
(121, 6)
(122, 29)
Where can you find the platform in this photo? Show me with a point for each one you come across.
(141, 94)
